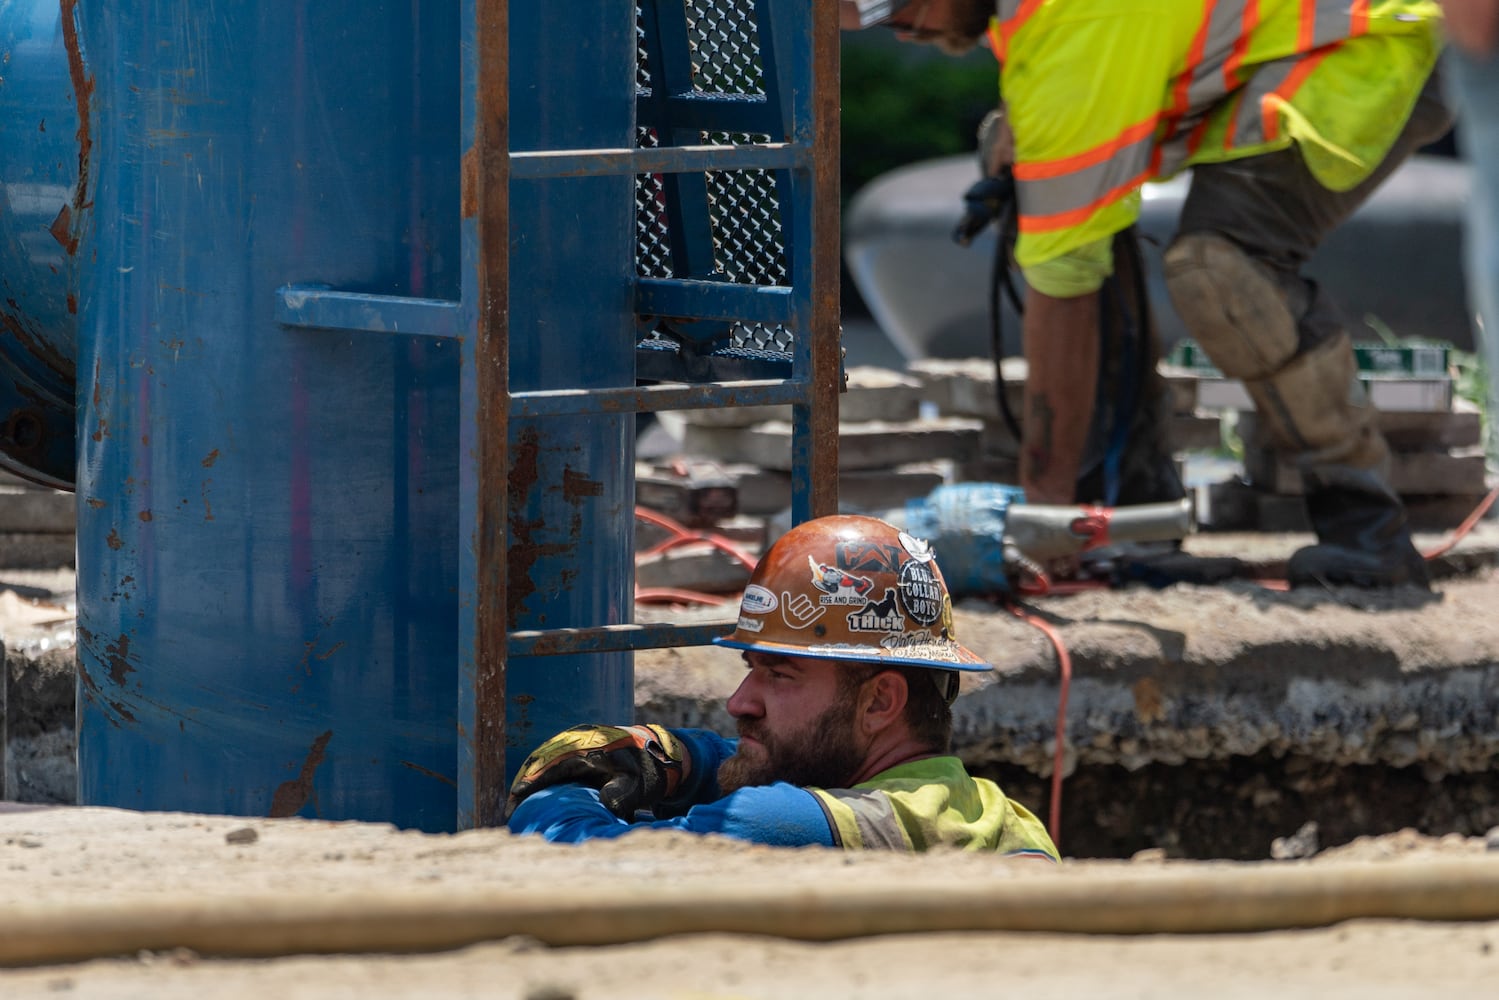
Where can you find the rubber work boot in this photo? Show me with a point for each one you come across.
(1315, 408)
(1362, 538)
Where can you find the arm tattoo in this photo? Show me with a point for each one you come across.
(1039, 424)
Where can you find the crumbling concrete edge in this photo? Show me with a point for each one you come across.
(1444, 722)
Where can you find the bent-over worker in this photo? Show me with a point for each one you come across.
(1290, 113)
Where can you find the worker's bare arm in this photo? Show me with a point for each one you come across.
(1061, 352)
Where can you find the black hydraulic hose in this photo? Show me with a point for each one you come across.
(1000, 281)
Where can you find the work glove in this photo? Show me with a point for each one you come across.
(633, 767)
(995, 189)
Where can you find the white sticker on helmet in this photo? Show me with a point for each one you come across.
(751, 624)
(757, 600)
(919, 548)
(798, 611)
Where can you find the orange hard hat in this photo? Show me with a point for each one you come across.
(850, 587)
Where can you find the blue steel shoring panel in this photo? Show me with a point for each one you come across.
(267, 526)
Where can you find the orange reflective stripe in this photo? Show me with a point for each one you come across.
(1011, 20)
(1063, 192)
(1307, 26)
(1064, 220)
(1181, 93)
(1270, 110)
(1043, 169)
(996, 41)
(1358, 18)
(1249, 19)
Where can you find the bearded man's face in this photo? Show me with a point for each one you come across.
(796, 720)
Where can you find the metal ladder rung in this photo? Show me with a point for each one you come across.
(614, 638)
(319, 307)
(717, 113)
(680, 298)
(640, 399)
(659, 160)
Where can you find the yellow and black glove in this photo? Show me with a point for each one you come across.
(633, 767)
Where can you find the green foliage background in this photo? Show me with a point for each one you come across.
(903, 103)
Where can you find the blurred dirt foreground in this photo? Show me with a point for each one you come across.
(704, 917)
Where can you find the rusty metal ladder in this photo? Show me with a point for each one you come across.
(714, 333)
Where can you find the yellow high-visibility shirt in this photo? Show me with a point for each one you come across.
(933, 803)
(1105, 95)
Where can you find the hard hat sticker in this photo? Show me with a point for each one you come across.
(881, 616)
(920, 592)
(798, 611)
(867, 557)
(750, 624)
(757, 600)
(919, 548)
(837, 586)
(930, 649)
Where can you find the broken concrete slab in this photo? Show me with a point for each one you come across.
(1410, 430)
(872, 445)
(1424, 473)
(871, 394)
(766, 492)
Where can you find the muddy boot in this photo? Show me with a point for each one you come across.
(1362, 538)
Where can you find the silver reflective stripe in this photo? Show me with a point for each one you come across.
(1080, 188)
(1224, 26)
(874, 816)
(1334, 22)
(1249, 119)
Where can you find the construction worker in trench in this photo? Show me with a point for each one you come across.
(844, 718)
(1290, 113)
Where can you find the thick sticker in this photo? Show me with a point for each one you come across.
(920, 592)
(757, 600)
(837, 586)
(878, 616)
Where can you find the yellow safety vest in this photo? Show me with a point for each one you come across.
(932, 803)
(1104, 95)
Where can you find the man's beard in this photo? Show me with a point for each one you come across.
(823, 755)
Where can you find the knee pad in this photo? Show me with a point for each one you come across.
(1231, 305)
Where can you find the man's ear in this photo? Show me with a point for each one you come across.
(884, 701)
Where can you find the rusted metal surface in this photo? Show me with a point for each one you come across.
(291, 796)
(83, 93)
(491, 150)
(827, 352)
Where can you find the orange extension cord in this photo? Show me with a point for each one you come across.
(1064, 659)
(678, 535)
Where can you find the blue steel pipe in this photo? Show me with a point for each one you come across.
(267, 540)
(44, 158)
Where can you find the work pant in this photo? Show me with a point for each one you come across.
(1278, 213)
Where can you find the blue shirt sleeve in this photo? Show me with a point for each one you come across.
(780, 815)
